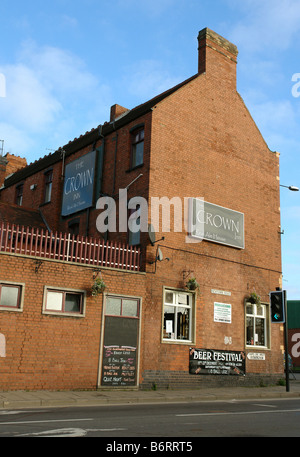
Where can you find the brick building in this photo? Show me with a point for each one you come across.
(195, 153)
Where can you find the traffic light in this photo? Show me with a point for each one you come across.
(277, 306)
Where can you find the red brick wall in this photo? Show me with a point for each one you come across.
(35, 198)
(211, 273)
(205, 144)
(116, 163)
(49, 351)
(199, 142)
(10, 164)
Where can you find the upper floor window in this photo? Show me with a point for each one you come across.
(48, 185)
(137, 147)
(19, 194)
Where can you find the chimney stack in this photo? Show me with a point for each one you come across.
(3, 165)
(117, 111)
(217, 57)
(9, 164)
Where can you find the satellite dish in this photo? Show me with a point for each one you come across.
(159, 255)
(158, 258)
(151, 233)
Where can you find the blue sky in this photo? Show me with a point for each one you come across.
(65, 62)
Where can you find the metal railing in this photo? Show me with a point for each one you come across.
(28, 241)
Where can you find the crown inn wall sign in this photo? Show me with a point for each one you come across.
(215, 223)
(79, 183)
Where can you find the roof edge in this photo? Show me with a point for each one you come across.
(89, 138)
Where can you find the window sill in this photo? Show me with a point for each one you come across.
(45, 203)
(11, 309)
(255, 348)
(134, 168)
(58, 314)
(169, 341)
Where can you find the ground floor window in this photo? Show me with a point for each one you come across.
(178, 315)
(11, 296)
(68, 302)
(257, 324)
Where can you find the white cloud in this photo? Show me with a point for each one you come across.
(61, 72)
(277, 120)
(266, 23)
(28, 103)
(276, 115)
(49, 92)
(15, 138)
(147, 78)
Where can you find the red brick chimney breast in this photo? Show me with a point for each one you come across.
(217, 57)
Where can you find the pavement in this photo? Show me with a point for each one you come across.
(12, 400)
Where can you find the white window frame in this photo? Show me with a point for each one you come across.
(191, 324)
(48, 186)
(64, 290)
(256, 314)
(21, 287)
(122, 312)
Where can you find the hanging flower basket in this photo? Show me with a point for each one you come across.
(253, 298)
(192, 284)
(98, 287)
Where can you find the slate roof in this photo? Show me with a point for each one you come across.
(14, 214)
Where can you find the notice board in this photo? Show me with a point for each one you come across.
(217, 362)
(119, 360)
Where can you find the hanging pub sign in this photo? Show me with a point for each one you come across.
(217, 362)
(215, 223)
(78, 192)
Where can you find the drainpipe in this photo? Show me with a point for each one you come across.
(100, 135)
(115, 163)
(63, 154)
(44, 220)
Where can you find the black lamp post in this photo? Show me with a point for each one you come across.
(287, 376)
